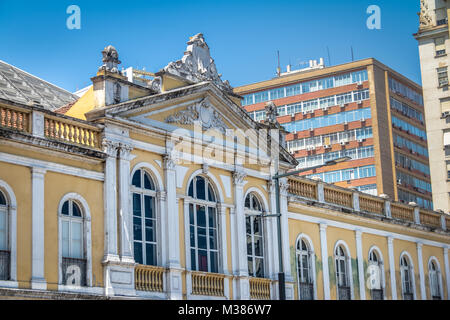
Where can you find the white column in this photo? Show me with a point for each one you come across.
(272, 241)
(284, 187)
(38, 229)
(324, 253)
(125, 216)
(362, 288)
(172, 231)
(447, 272)
(421, 271)
(392, 267)
(222, 219)
(110, 201)
(242, 284)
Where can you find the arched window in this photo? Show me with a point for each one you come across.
(72, 241)
(435, 279)
(304, 270)
(203, 226)
(342, 274)
(375, 273)
(144, 218)
(406, 276)
(4, 247)
(255, 236)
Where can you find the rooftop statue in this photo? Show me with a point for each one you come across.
(110, 59)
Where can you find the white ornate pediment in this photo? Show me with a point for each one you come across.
(197, 64)
(202, 112)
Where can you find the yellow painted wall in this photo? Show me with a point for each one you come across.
(438, 253)
(85, 104)
(411, 248)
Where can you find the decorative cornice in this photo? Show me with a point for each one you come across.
(110, 147)
(238, 177)
(125, 151)
(425, 19)
(169, 162)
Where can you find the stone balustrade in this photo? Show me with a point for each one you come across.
(208, 284)
(149, 278)
(260, 288)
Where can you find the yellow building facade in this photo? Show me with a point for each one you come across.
(165, 191)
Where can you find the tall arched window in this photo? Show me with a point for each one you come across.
(375, 269)
(144, 218)
(304, 270)
(4, 247)
(72, 241)
(203, 226)
(342, 274)
(435, 279)
(255, 236)
(406, 276)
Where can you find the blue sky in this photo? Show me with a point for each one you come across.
(243, 36)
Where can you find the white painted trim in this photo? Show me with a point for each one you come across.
(12, 227)
(215, 183)
(421, 272)
(87, 238)
(38, 228)
(347, 226)
(390, 240)
(51, 166)
(413, 276)
(324, 253)
(260, 195)
(381, 261)
(447, 271)
(154, 173)
(360, 265)
(349, 266)
(312, 257)
(441, 288)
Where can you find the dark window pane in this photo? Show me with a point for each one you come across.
(136, 181)
(213, 261)
(150, 252)
(148, 184)
(212, 217)
(193, 260)
(149, 230)
(65, 208)
(76, 212)
(257, 226)
(148, 202)
(248, 225)
(201, 188)
(191, 214)
(304, 247)
(137, 228)
(258, 246)
(138, 252)
(2, 199)
(211, 196)
(250, 266)
(259, 268)
(249, 245)
(247, 202)
(201, 240)
(136, 204)
(212, 239)
(201, 216)
(192, 232)
(191, 189)
(202, 260)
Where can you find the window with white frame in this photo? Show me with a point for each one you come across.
(254, 235)
(305, 259)
(406, 276)
(435, 275)
(73, 251)
(203, 226)
(342, 274)
(4, 247)
(144, 218)
(375, 265)
(439, 44)
(442, 76)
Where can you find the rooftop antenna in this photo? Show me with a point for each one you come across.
(279, 68)
(353, 57)
(329, 59)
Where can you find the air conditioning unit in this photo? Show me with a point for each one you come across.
(345, 122)
(363, 119)
(399, 181)
(311, 129)
(360, 140)
(325, 108)
(360, 83)
(343, 143)
(359, 102)
(327, 146)
(293, 115)
(342, 105)
(311, 111)
(305, 113)
(445, 114)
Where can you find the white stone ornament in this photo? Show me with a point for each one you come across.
(202, 112)
(197, 64)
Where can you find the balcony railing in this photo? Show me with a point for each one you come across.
(260, 288)
(73, 272)
(377, 294)
(4, 265)
(208, 284)
(361, 202)
(15, 118)
(402, 212)
(71, 132)
(306, 291)
(344, 293)
(149, 278)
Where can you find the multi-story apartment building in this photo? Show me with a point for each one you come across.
(434, 46)
(363, 110)
(166, 191)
